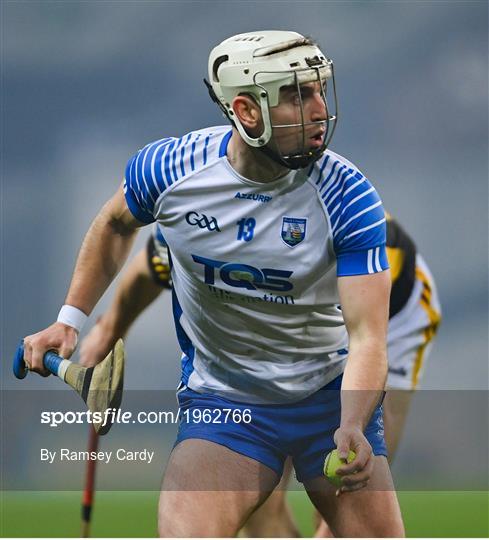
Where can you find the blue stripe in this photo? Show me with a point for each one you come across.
(134, 178)
(129, 174)
(335, 182)
(343, 204)
(224, 143)
(167, 163)
(374, 232)
(173, 161)
(333, 168)
(148, 172)
(354, 263)
(331, 195)
(339, 207)
(352, 195)
(185, 344)
(345, 184)
(320, 174)
(143, 188)
(182, 154)
(371, 223)
(135, 207)
(319, 163)
(311, 168)
(192, 163)
(130, 181)
(192, 160)
(357, 204)
(350, 181)
(332, 212)
(173, 167)
(205, 148)
(158, 173)
(362, 204)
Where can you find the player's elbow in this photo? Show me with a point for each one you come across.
(119, 227)
(371, 349)
(116, 217)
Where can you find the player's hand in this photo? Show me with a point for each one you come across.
(356, 474)
(97, 344)
(58, 337)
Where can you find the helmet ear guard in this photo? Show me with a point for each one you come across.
(229, 114)
(260, 64)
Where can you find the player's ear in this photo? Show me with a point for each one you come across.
(247, 111)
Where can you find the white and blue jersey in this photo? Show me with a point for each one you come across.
(255, 265)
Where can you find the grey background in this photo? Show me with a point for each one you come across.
(86, 84)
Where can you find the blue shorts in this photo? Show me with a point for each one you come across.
(270, 433)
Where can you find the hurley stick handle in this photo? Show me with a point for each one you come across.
(51, 361)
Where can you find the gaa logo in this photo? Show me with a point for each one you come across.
(202, 221)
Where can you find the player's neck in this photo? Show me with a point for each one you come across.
(251, 162)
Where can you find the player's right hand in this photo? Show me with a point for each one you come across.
(58, 337)
(97, 344)
(356, 474)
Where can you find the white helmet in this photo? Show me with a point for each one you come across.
(260, 64)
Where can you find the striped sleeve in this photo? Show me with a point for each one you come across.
(148, 174)
(358, 224)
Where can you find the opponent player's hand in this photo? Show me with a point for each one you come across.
(58, 337)
(356, 474)
(97, 344)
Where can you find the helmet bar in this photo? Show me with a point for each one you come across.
(315, 123)
(302, 157)
(301, 108)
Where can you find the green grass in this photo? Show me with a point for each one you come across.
(432, 514)
(133, 514)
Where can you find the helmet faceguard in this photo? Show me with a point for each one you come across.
(260, 64)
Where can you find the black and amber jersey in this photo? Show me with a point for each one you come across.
(401, 253)
(157, 257)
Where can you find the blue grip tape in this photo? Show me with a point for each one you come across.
(20, 369)
(51, 362)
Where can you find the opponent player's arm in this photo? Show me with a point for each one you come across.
(103, 252)
(138, 288)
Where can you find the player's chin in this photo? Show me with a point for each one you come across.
(316, 142)
(297, 150)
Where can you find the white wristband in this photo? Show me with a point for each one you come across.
(72, 316)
